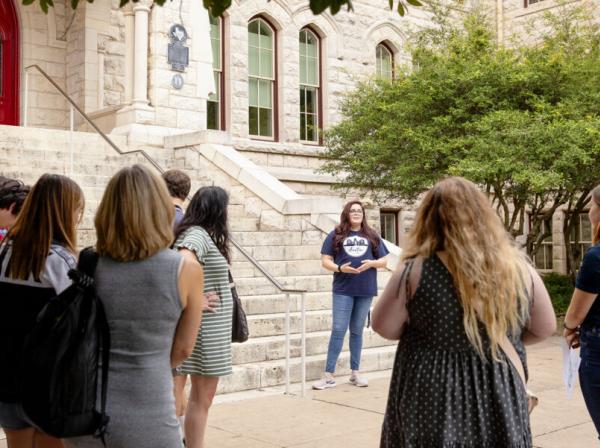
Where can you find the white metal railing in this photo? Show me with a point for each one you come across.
(287, 291)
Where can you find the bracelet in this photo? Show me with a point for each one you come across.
(339, 268)
(570, 329)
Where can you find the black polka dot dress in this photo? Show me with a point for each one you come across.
(442, 393)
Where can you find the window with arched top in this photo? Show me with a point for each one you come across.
(310, 86)
(262, 78)
(384, 62)
(215, 112)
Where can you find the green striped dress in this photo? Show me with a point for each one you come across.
(212, 352)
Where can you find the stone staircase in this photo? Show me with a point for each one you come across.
(283, 235)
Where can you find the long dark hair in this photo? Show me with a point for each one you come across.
(596, 230)
(208, 209)
(342, 230)
(48, 215)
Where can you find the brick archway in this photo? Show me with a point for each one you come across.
(9, 63)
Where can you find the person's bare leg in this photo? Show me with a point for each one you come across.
(41, 440)
(179, 392)
(196, 416)
(19, 438)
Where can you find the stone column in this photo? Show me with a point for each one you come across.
(129, 52)
(141, 11)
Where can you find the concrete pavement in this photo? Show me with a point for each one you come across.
(351, 417)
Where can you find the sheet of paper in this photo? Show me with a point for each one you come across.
(571, 362)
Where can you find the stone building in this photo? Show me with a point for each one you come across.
(237, 101)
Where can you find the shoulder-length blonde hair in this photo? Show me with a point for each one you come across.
(489, 271)
(135, 217)
(596, 230)
(49, 214)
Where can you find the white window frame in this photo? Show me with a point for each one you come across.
(272, 81)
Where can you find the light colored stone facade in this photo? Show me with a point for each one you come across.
(113, 63)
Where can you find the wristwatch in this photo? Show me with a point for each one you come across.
(339, 268)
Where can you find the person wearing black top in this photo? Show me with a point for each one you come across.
(582, 322)
(35, 258)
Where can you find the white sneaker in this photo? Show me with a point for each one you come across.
(324, 383)
(359, 381)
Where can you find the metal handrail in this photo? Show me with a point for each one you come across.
(237, 245)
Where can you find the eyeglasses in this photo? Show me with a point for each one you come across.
(356, 210)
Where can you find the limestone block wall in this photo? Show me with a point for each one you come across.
(525, 24)
(43, 43)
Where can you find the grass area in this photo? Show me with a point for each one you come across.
(560, 288)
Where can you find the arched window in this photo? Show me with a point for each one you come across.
(310, 83)
(215, 112)
(261, 79)
(384, 66)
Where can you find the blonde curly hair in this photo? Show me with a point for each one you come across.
(489, 270)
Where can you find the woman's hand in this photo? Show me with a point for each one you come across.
(367, 264)
(572, 338)
(347, 269)
(211, 302)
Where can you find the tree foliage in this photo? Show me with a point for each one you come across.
(218, 7)
(522, 122)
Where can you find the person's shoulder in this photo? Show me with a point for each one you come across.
(60, 255)
(593, 254)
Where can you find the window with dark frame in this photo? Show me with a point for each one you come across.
(384, 62)
(389, 225)
(261, 79)
(310, 92)
(581, 238)
(531, 2)
(215, 103)
(543, 257)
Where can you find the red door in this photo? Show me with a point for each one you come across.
(9, 63)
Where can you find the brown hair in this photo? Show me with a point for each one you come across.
(178, 183)
(489, 271)
(342, 230)
(49, 214)
(596, 230)
(12, 191)
(135, 217)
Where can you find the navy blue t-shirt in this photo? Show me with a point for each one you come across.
(355, 248)
(588, 280)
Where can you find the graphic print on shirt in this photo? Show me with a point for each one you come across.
(356, 246)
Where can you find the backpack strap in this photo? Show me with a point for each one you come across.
(105, 335)
(88, 260)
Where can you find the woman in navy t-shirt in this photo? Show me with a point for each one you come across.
(352, 251)
(582, 322)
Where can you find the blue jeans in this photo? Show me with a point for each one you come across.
(589, 371)
(348, 311)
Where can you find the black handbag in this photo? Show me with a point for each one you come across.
(239, 323)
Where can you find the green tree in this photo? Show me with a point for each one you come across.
(522, 122)
(218, 7)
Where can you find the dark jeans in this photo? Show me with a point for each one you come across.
(589, 371)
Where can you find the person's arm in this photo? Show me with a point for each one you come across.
(542, 320)
(328, 263)
(580, 305)
(390, 313)
(191, 287)
(584, 295)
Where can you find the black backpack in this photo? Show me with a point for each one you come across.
(61, 359)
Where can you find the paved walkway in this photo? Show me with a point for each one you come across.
(349, 417)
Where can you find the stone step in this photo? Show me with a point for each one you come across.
(276, 303)
(260, 325)
(271, 348)
(250, 286)
(272, 373)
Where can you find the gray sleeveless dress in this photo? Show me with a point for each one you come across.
(442, 393)
(143, 307)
